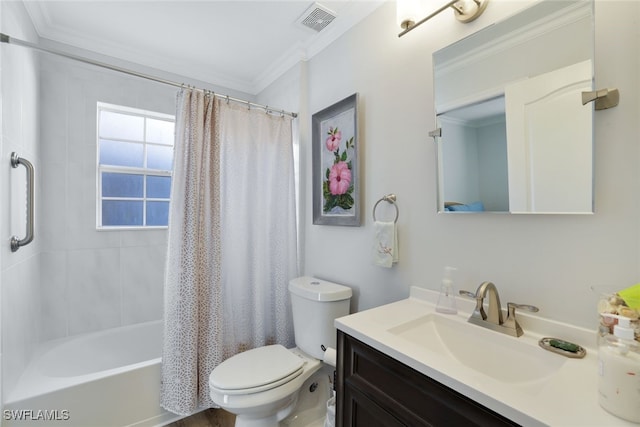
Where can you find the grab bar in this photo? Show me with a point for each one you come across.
(16, 242)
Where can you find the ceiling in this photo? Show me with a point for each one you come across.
(237, 44)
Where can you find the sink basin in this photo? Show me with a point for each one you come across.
(499, 356)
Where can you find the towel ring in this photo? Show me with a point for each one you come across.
(389, 198)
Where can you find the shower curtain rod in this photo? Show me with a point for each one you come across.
(12, 40)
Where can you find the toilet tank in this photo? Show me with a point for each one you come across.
(316, 304)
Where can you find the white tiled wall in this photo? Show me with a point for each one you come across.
(19, 272)
(91, 280)
(72, 279)
(1, 218)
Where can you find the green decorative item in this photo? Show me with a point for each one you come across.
(631, 296)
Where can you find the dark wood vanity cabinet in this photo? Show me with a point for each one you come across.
(374, 389)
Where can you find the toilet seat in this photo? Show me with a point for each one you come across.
(256, 370)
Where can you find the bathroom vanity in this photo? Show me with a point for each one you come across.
(377, 390)
(405, 364)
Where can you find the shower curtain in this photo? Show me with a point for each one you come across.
(232, 242)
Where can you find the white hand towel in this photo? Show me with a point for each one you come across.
(385, 244)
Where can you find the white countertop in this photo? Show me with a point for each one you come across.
(569, 397)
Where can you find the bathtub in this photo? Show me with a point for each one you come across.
(109, 378)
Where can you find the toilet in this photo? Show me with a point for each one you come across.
(262, 386)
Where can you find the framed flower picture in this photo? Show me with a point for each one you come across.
(336, 194)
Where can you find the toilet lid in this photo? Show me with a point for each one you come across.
(256, 370)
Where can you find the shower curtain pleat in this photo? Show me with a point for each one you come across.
(232, 243)
(192, 280)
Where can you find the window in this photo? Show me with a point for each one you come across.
(135, 159)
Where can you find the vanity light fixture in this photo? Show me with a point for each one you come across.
(464, 10)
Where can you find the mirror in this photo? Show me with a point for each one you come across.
(513, 133)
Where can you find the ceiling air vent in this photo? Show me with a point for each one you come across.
(317, 17)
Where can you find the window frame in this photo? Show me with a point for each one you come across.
(129, 170)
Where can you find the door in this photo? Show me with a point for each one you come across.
(538, 141)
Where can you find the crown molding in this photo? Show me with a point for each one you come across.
(348, 18)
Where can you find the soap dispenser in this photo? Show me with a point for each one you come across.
(619, 371)
(447, 300)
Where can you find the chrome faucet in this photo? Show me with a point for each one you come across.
(492, 318)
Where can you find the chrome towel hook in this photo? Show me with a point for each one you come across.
(389, 198)
(16, 242)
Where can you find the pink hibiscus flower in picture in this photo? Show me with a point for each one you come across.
(337, 185)
(339, 178)
(333, 141)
